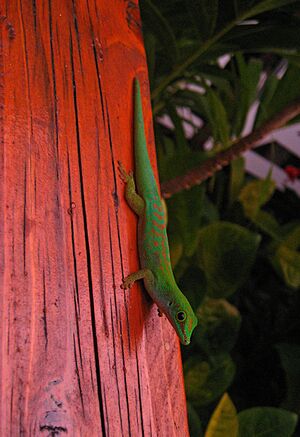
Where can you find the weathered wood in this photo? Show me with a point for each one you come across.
(79, 356)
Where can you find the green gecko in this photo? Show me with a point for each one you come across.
(156, 270)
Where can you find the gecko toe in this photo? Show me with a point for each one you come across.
(123, 173)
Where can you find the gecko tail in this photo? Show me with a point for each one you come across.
(145, 180)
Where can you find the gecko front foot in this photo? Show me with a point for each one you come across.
(123, 173)
(160, 314)
(136, 276)
(126, 283)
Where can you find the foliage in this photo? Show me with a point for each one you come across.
(253, 422)
(224, 420)
(271, 422)
(206, 380)
(226, 254)
(235, 241)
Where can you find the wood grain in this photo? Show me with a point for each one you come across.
(79, 356)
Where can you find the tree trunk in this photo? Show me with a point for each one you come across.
(79, 355)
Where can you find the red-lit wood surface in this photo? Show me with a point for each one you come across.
(79, 356)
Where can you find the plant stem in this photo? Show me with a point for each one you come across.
(223, 158)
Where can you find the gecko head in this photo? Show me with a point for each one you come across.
(183, 319)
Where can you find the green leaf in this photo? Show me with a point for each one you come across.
(217, 117)
(266, 422)
(226, 254)
(266, 98)
(292, 58)
(150, 46)
(286, 259)
(292, 237)
(224, 421)
(206, 381)
(180, 138)
(195, 426)
(267, 223)
(251, 38)
(287, 264)
(204, 15)
(185, 211)
(193, 100)
(210, 44)
(196, 376)
(218, 76)
(218, 326)
(176, 160)
(159, 26)
(210, 212)
(255, 194)
(249, 75)
(237, 175)
(192, 284)
(279, 93)
(176, 248)
(266, 5)
(290, 359)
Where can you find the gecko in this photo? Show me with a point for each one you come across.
(142, 195)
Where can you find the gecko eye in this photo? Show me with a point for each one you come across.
(181, 316)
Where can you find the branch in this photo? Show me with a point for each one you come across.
(212, 165)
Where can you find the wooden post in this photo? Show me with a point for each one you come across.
(79, 356)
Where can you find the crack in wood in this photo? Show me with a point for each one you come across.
(53, 430)
(8, 26)
(86, 238)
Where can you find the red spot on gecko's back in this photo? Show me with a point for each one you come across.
(156, 233)
(159, 216)
(158, 225)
